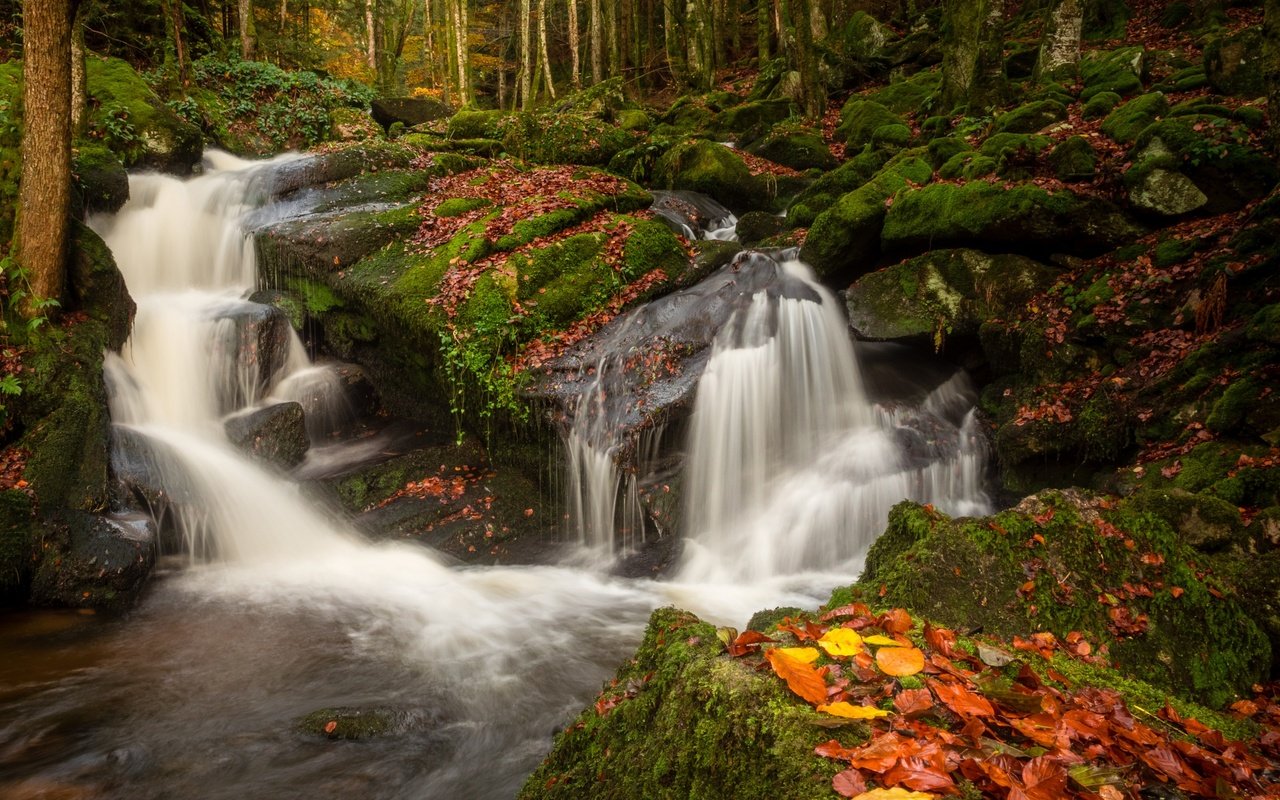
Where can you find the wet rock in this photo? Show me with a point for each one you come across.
(756, 226)
(101, 180)
(1167, 193)
(253, 342)
(409, 111)
(712, 169)
(276, 434)
(691, 214)
(94, 560)
(350, 723)
(97, 287)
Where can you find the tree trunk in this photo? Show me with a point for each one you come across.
(429, 56)
(597, 42)
(764, 32)
(79, 75)
(45, 191)
(462, 53)
(972, 59)
(172, 10)
(575, 62)
(672, 33)
(248, 31)
(1060, 43)
(526, 57)
(699, 40)
(613, 47)
(542, 48)
(371, 34)
(1271, 71)
(805, 57)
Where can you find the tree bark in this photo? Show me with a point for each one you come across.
(1060, 42)
(542, 49)
(972, 58)
(764, 32)
(462, 53)
(526, 57)
(813, 95)
(672, 33)
(371, 33)
(248, 31)
(45, 191)
(1271, 71)
(575, 61)
(79, 75)
(597, 42)
(172, 10)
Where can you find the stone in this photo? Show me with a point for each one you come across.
(276, 434)
(713, 169)
(253, 339)
(94, 560)
(409, 111)
(1234, 63)
(1167, 193)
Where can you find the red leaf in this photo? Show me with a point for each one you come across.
(849, 783)
(913, 702)
(961, 700)
(747, 642)
(916, 773)
(895, 621)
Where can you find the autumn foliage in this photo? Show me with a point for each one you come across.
(945, 714)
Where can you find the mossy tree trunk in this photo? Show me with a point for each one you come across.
(526, 57)
(575, 60)
(804, 56)
(45, 190)
(972, 53)
(698, 40)
(597, 42)
(542, 48)
(1060, 43)
(79, 75)
(673, 24)
(1271, 72)
(248, 33)
(764, 32)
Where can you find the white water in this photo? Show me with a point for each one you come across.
(511, 652)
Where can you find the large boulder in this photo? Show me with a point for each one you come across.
(1020, 218)
(564, 138)
(94, 560)
(254, 340)
(1120, 71)
(408, 111)
(942, 293)
(101, 183)
(1036, 568)
(712, 169)
(794, 146)
(860, 119)
(1128, 121)
(1234, 63)
(831, 186)
(137, 124)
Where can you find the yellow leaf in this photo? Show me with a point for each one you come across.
(896, 793)
(841, 642)
(843, 709)
(806, 654)
(882, 641)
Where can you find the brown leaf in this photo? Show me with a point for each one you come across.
(916, 773)
(747, 642)
(961, 700)
(913, 702)
(849, 783)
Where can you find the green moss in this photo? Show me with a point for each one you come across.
(1265, 325)
(859, 120)
(1015, 154)
(1101, 104)
(634, 119)
(974, 573)
(1173, 251)
(559, 138)
(564, 279)
(133, 122)
(473, 123)
(684, 720)
(17, 544)
(749, 122)
(1117, 71)
(1216, 154)
(713, 169)
(316, 297)
(346, 723)
(651, 245)
(968, 166)
(795, 146)
(909, 94)
(822, 193)
(1074, 159)
(1230, 409)
(457, 206)
(1031, 117)
(944, 148)
(1129, 120)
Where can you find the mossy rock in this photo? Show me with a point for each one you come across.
(944, 148)
(1216, 154)
(828, 188)
(352, 125)
(92, 560)
(1235, 63)
(1127, 122)
(604, 101)
(859, 120)
(348, 723)
(1120, 71)
(1213, 469)
(747, 123)
(101, 182)
(17, 545)
(685, 720)
(795, 146)
(1101, 104)
(434, 143)
(1019, 217)
(564, 138)
(96, 287)
(975, 573)
(135, 123)
(860, 43)
(474, 123)
(845, 239)
(713, 169)
(1074, 159)
(942, 293)
(1032, 117)
(1206, 523)
(756, 226)
(634, 119)
(969, 165)
(910, 94)
(1015, 154)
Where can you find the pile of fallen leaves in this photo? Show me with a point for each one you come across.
(942, 715)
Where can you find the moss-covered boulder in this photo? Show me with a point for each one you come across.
(831, 186)
(683, 719)
(1166, 193)
(1015, 155)
(908, 94)
(795, 146)
(135, 123)
(408, 111)
(564, 138)
(101, 182)
(1120, 71)
(860, 119)
(942, 293)
(474, 123)
(1128, 121)
(845, 239)
(1213, 153)
(17, 545)
(1020, 217)
(1100, 105)
(712, 169)
(1234, 63)
(1032, 117)
(1073, 159)
(352, 125)
(748, 122)
(605, 100)
(1070, 562)
(756, 226)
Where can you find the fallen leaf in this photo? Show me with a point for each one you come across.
(882, 641)
(961, 700)
(841, 642)
(850, 711)
(900, 661)
(806, 654)
(849, 783)
(802, 679)
(910, 702)
(896, 793)
(331, 726)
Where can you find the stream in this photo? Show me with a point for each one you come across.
(275, 608)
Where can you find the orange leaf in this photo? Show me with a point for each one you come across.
(331, 726)
(802, 679)
(899, 661)
(913, 701)
(849, 783)
(961, 700)
(896, 621)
